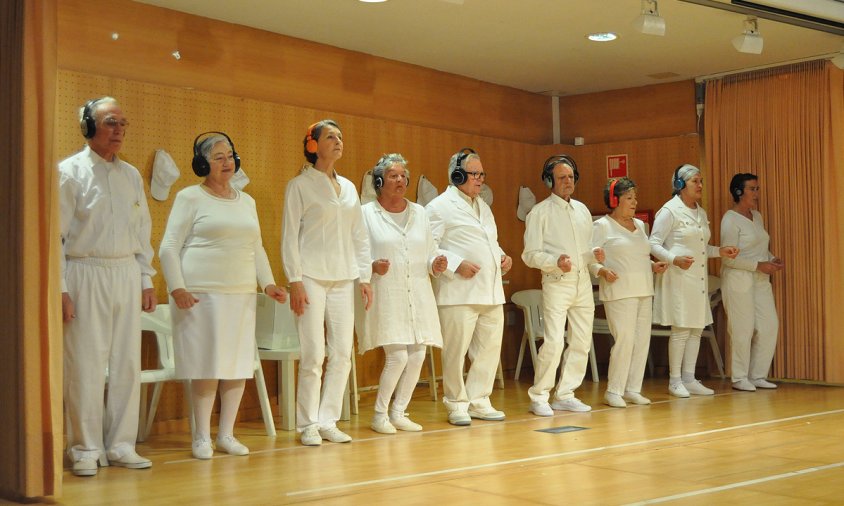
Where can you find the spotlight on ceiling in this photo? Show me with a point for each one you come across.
(650, 22)
(750, 41)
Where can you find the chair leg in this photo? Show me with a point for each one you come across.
(191, 419)
(593, 360)
(287, 394)
(716, 351)
(650, 364)
(353, 381)
(142, 415)
(153, 409)
(432, 383)
(264, 399)
(534, 352)
(521, 356)
(499, 376)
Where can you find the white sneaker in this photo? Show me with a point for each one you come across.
(201, 448)
(85, 466)
(614, 400)
(570, 404)
(696, 388)
(335, 435)
(490, 414)
(381, 424)
(231, 445)
(678, 390)
(636, 398)
(744, 385)
(310, 436)
(403, 422)
(131, 460)
(763, 383)
(459, 418)
(541, 409)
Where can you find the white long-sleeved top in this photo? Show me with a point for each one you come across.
(628, 254)
(555, 227)
(323, 235)
(461, 234)
(405, 310)
(104, 212)
(213, 245)
(749, 236)
(681, 297)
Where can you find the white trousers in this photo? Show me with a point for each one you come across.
(476, 330)
(402, 366)
(630, 324)
(325, 329)
(105, 335)
(683, 347)
(561, 302)
(752, 322)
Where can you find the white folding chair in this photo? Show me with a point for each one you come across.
(278, 339)
(530, 302)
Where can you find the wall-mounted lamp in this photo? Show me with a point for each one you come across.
(750, 41)
(650, 22)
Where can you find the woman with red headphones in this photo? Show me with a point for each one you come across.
(626, 288)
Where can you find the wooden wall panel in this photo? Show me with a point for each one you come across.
(660, 110)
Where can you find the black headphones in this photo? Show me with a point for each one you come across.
(459, 175)
(200, 164)
(553, 161)
(88, 124)
(378, 181)
(737, 184)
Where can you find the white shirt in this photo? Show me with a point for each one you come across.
(404, 311)
(749, 236)
(323, 235)
(463, 235)
(104, 212)
(555, 227)
(213, 245)
(628, 254)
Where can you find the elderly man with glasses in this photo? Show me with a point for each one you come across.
(469, 293)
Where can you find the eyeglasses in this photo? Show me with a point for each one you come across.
(477, 175)
(396, 177)
(114, 122)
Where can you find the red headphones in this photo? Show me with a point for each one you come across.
(613, 196)
(310, 142)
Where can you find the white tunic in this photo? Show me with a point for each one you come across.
(681, 297)
(628, 254)
(323, 235)
(404, 311)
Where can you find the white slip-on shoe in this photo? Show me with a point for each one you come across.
(459, 418)
(541, 409)
(201, 448)
(571, 404)
(489, 414)
(744, 385)
(614, 400)
(678, 390)
(381, 424)
(763, 383)
(636, 398)
(335, 435)
(696, 388)
(131, 460)
(229, 444)
(403, 422)
(85, 466)
(310, 436)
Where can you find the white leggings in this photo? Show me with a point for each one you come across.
(683, 346)
(203, 393)
(401, 373)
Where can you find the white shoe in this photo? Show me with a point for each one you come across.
(131, 460)
(744, 385)
(403, 422)
(541, 409)
(614, 400)
(636, 398)
(335, 435)
(696, 388)
(678, 390)
(490, 414)
(459, 418)
(570, 404)
(310, 436)
(763, 383)
(85, 466)
(201, 448)
(381, 424)
(231, 445)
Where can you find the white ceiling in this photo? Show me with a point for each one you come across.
(534, 45)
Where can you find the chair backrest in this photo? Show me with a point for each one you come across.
(275, 325)
(159, 322)
(530, 302)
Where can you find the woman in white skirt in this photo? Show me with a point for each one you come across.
(212, 255)
(746, 287)
(404, 319)
(626, 287)
(680, 237)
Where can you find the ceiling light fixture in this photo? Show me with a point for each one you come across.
(750, 41)
(650, 22)
(602, 36)
(372, 1)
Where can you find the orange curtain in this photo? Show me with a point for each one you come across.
(781, 124)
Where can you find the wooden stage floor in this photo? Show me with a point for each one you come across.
(770, 447)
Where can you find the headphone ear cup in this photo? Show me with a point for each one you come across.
(739, 192)
(236, 161)
(311, 146)
(548, 179)
(378, 182)
(88, 126)
(679, 183)
(458, 176)
(200, 166)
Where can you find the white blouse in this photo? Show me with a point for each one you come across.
(404, 311)
(749, 236)
(628, 254)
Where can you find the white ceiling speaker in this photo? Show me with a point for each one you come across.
(650, 22)
(750, 41)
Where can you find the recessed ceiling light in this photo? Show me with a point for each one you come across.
(602, 37)
(372, 1)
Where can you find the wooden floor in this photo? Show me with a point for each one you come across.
(769, 447)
